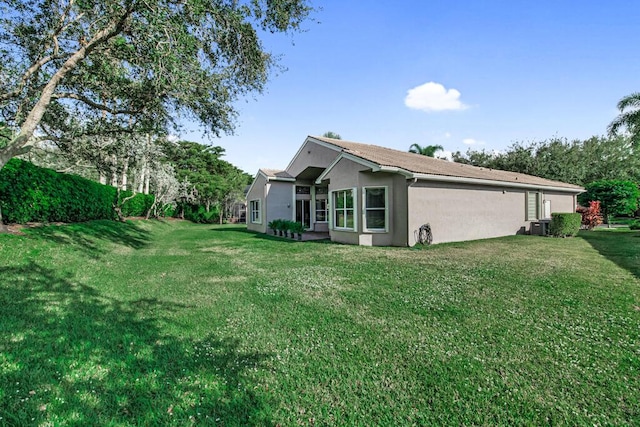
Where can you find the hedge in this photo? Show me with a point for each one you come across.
(136, 206)
(29, 193)
(565, 224)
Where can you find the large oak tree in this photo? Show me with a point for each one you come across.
(72, 68)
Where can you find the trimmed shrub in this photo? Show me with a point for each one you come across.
(29, 193)
(635, 225)
(565, 224)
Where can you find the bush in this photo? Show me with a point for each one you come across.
(136, 206)
(29, 193)
(635, 225)
(199, 214)
(591, 216)
(565, 224)
(297, 227)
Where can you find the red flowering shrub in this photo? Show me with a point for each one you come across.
(591, 216)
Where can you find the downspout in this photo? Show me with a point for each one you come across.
(411, 182)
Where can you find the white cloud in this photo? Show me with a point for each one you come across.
(444, 155)
(433, 96)
(447, 135)
(471, 141)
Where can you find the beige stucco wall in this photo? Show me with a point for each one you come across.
(312, 154)
(458, 212)
(276, 197)
(560, 202)
(347, 174)
(279, 200)
(256, 192)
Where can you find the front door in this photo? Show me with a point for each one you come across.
(303, 212)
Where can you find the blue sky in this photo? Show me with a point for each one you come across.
(462, 74)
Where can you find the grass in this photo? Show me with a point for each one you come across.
(149, 323)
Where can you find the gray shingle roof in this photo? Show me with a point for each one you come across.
(417, 163)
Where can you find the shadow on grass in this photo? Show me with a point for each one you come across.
(87, 235)
(69, 355)
(623, 248)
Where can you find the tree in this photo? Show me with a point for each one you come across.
(97, 67)
(629, 118)
(616, 197)
(577, 162)
(332, 135)
(216, 182)
(429, 150)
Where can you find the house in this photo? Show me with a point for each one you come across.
(370, 195)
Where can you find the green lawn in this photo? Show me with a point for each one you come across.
(149, 323)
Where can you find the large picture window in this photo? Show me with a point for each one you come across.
(375, 208)
(344, 209)
(255, 211)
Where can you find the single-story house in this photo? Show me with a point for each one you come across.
(370, 195)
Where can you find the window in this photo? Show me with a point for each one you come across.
(375, 209)
(321, 210)
(344, 209)
(254, 208)
(303, 189)
(533, 206)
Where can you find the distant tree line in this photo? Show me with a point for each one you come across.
(577, 162)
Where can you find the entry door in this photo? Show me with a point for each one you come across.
(303, 212)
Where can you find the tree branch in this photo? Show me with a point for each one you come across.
(34, 117)
(93, 104)
(38, 64)
(23, 81)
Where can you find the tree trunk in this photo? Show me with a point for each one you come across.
(146, 182)
(125, 169)
(4, 158)
(141, 178)
(151, 208)
(114, 172)
(117, 206)
(21, 143)
(3, 228)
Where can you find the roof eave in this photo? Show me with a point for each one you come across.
(375, 167)
(494, 183)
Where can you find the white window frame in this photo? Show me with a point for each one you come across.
(354, 193)
(257, 219)
(365, 209)
(326, 211)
